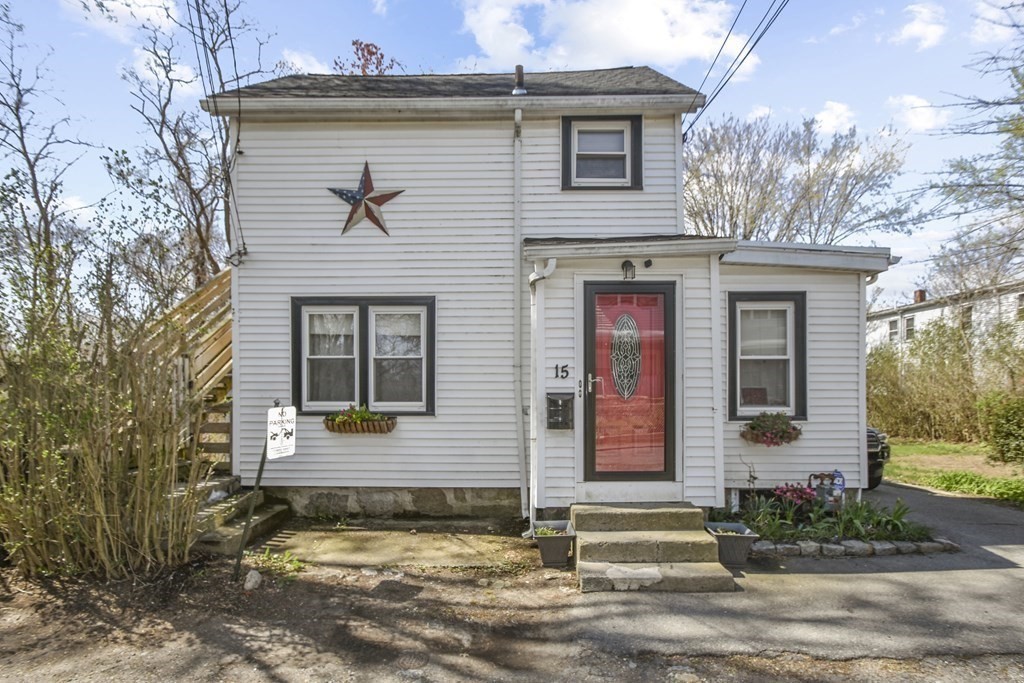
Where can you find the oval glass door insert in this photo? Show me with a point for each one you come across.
(625, 355)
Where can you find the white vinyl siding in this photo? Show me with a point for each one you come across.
(833, 432)
(451, 238)
(561, 454)
(549, 211)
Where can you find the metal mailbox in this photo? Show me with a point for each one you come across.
(560, 410)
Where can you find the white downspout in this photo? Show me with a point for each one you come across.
(517, 297)
(536, 400)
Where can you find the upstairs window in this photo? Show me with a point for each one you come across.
(601, 152)
(908, 328)
(1020, 307)
(767, 354)
(377, 351)
(894, 331)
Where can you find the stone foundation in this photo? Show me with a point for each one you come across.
(398, 502)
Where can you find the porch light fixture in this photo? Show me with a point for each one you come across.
(628, 270)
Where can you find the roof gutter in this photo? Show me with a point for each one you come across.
(378, 108)
(830, 257)
(637, 248)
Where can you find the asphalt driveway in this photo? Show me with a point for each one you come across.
(905, 606)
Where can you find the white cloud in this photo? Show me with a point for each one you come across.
(993, 24)
(121, 19)
(759, 112)
(926, 27)
(855, 23)
(304, 62)
(586, 34)
(917, 114)
(380, 7)
(834, 118)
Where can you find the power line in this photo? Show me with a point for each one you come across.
(229, 188)
(719, 53)
(206, 80)
(741, 56)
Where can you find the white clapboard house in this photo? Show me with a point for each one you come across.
(502, 264)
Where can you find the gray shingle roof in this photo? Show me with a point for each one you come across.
(628, 80)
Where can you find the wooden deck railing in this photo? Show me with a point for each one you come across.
(197, 332)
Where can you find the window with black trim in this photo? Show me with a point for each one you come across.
(767, 354)
(377, 351)
(602, 152)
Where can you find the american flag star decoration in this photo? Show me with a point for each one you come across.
(366, 202)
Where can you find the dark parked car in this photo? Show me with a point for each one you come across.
(878, 455)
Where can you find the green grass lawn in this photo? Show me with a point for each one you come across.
(960, 468)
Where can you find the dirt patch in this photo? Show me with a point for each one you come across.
(366, 624)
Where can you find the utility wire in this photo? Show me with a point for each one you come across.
(229, 188)
(718, 54)
(206, 79)
(759, 31)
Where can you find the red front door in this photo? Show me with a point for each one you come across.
(629, 368)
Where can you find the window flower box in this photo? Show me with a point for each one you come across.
(384, 426)
(360, 420)
(771, 429)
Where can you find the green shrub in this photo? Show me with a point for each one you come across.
(780, 520)
(1002, 419)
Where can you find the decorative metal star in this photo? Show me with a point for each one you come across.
(366, 202)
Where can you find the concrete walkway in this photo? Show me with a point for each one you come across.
(908, 606)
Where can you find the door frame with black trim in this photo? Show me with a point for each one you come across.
(636, 482)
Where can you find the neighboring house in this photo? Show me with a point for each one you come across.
(510, 275)
(974, 311)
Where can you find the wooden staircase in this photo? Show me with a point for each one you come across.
(197, 332)
(657, 547)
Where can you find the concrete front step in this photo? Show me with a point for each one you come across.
(226, 539)
(637, 516)
(646, 546)
(222, 512)
(682, 577)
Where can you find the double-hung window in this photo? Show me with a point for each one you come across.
(767, 354)
(377, 351)
(601, 152)
(908, 328)
(894, 331)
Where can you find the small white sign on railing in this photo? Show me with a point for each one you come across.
(280, 432)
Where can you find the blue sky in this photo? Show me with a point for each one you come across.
(844, 62)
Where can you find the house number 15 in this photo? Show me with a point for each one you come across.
(561, 372)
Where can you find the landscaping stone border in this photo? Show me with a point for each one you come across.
(851, 548)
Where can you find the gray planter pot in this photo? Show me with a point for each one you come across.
(555, 550)
(734, 547)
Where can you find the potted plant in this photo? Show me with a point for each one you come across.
(734, 541)
(361, 420)
(771, 429)
(554, 539)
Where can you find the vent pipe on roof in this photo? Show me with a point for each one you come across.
(520, 88)
(920, 296)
